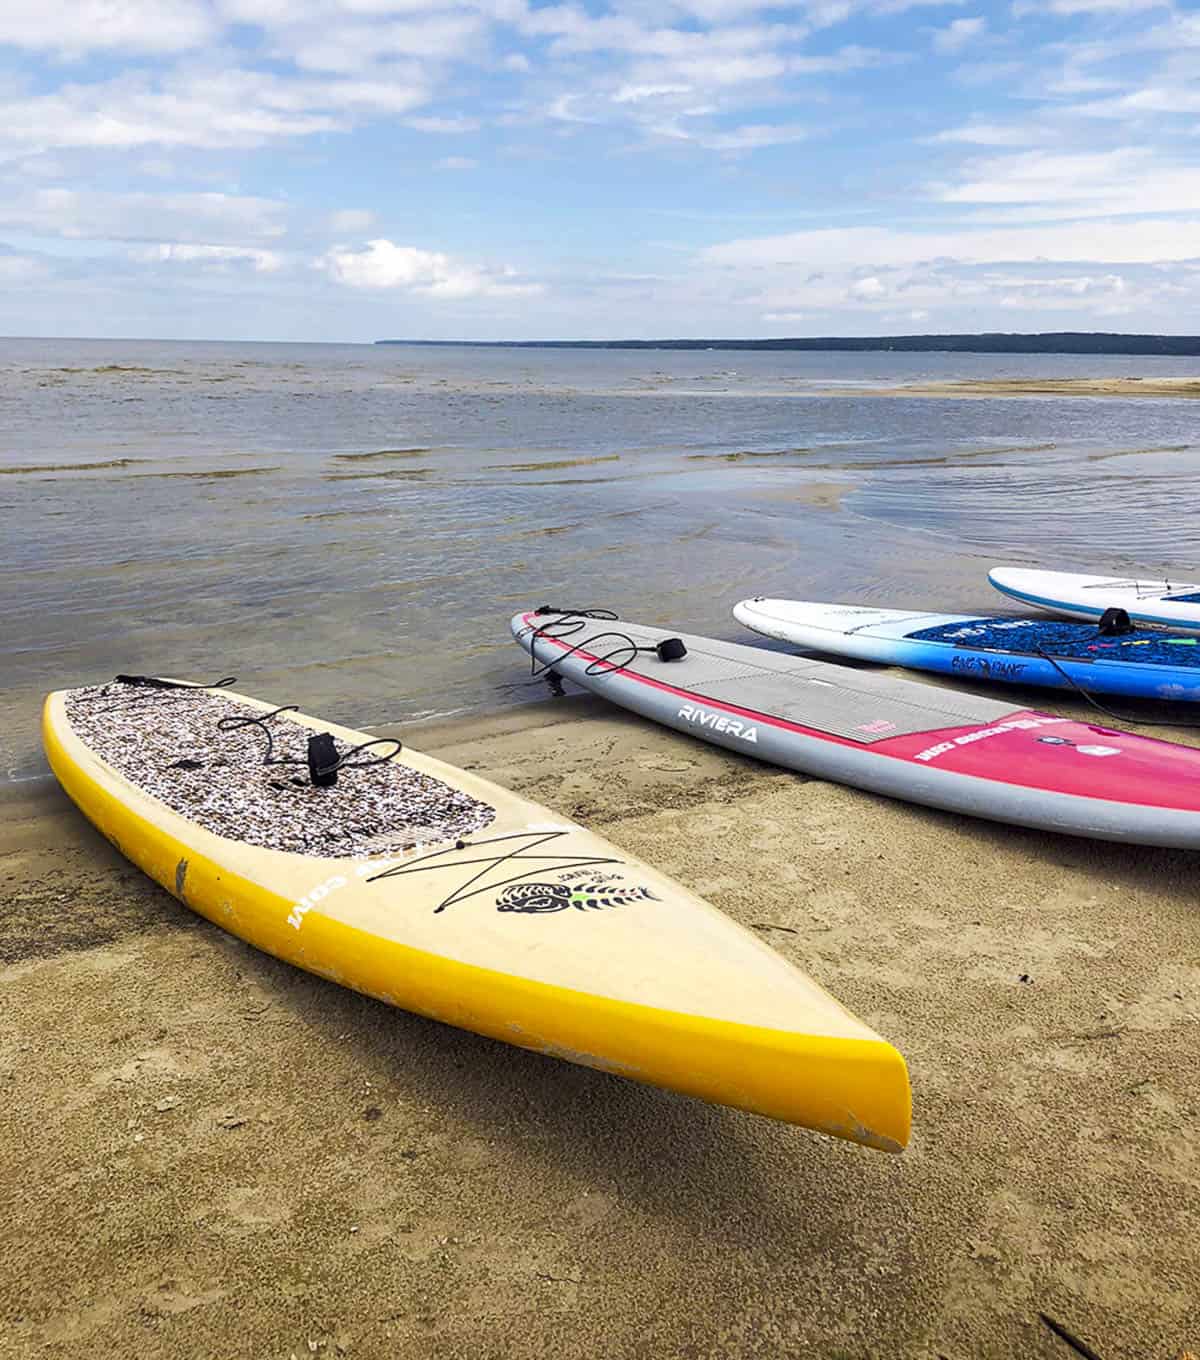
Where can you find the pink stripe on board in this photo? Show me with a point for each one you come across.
(1025, 748)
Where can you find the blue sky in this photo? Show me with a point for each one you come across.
(349, 169)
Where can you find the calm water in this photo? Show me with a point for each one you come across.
(350, 527)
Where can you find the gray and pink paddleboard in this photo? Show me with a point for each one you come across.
(902, 738)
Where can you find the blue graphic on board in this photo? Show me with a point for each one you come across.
(1143, 663)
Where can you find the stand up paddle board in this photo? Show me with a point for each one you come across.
(1142, 663)
(898, 737)
(1161, 603)
(431, 889)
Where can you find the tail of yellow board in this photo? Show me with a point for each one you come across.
(855, 1087)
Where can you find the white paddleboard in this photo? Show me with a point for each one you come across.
(1146, 599)
(1145, 663)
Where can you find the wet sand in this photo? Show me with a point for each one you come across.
(818, 495)
(1031, 387)
(208, 1153)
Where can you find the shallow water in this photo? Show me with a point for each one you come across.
(350, 527)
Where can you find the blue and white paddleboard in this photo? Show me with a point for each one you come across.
(1154, 601)
(1145, 663)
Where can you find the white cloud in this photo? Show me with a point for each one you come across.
(993, 134)
(638, 94)
(851, 58)
(751, 137)
(359, 60)
(444, 125)
(951, 291)
(958, 34)
(901, 6)
(1075, 284)
(37, 167)
(351, 48)
(1101, 183)
(197, 107)
(1108, 295)
(726, 11)
(1176, 35)
(690, 86)
(1027, 168)
(383, 265)
(717, 70)
(232, 109)
(16, 269)
(350, 221)
(1034, 176)
(92, 215)
(1007, 76)
(71, 28)
(395, 91)
(1072, 7)
(1181, 99)
(263, 261)
(851, 248)
(754, 48)
(1073, 82)
(827, 13)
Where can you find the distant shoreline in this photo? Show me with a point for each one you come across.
(1050, 342)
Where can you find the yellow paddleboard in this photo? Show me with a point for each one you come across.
(436, 891)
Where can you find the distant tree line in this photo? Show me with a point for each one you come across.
(1049, 342)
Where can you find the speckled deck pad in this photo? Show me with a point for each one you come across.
(379, 810)
(1031, 637)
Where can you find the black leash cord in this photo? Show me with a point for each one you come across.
(156, 682)
(567, 624)
(345, 763)
(592, 612)
(322, 768)
(1133, 719)
(1113, 623)
(235, 722)
(151, 683)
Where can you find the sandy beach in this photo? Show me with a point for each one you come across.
(1031, 387)
(209, 1153)
(345, 344)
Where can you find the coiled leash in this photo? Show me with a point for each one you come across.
(572, 621)
(323, 759)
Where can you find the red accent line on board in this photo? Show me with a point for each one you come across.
(771, 719)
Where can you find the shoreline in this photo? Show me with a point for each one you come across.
(240, 1156)
(1185, 388)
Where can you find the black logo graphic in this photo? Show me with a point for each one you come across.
(544, 897)
(987, 667)
(500, 854)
